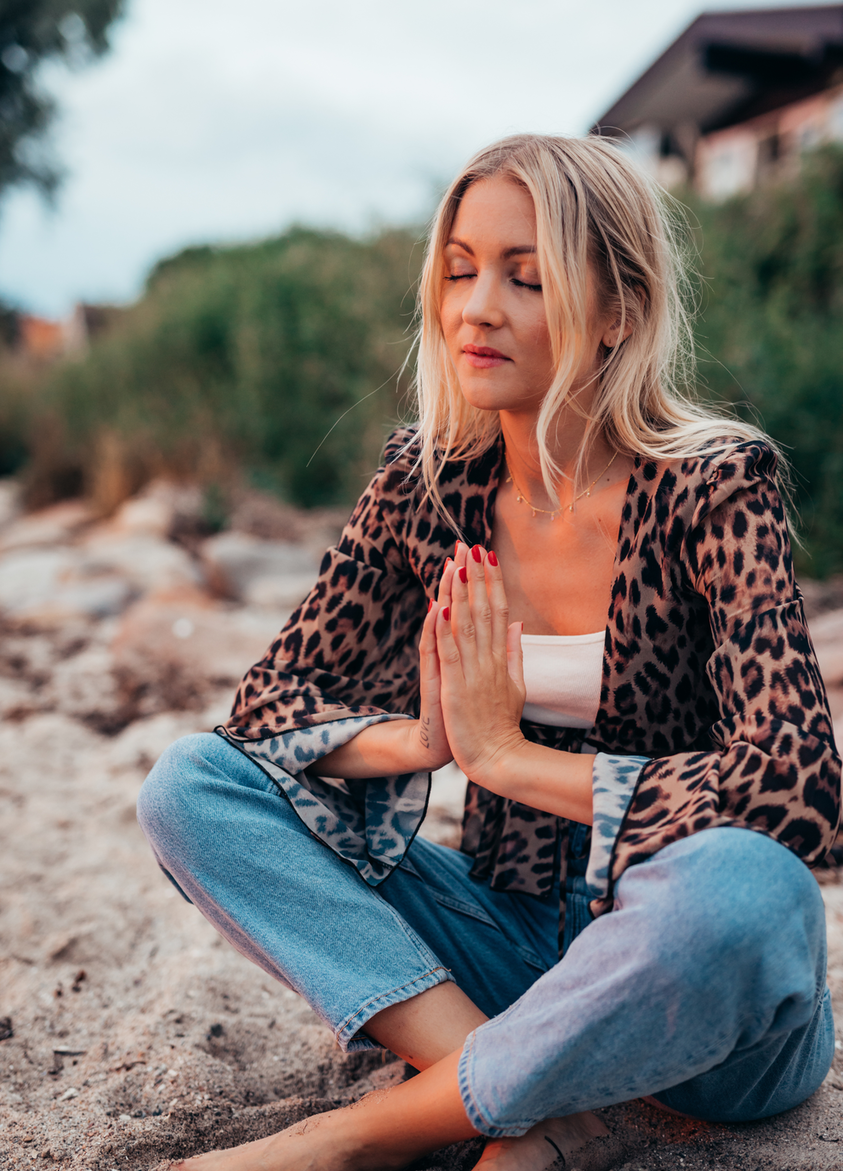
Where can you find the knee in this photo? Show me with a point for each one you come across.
(739, 899)
(170, 794)
(755, 891)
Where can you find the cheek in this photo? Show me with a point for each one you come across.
(450, 319)
(539, 341)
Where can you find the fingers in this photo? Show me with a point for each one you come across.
(452, 566)
(428, 655)
(498, 604)
(472, 613)
(515, 655)
(443, 595)
(446, 645)
(472, 587)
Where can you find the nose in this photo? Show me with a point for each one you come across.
(483, 306)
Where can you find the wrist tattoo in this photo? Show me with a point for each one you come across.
(423, 736)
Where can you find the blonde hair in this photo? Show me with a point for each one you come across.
(596, 211)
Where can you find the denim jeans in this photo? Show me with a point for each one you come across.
(704, 987)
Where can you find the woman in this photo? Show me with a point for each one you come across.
(649, 784)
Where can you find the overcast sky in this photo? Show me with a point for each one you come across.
(220, 121)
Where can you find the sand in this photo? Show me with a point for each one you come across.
(130, 1032)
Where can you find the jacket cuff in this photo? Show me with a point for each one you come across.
(301, 748)
(368, 822)
(614, 779)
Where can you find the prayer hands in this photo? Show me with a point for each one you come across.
(475, 653)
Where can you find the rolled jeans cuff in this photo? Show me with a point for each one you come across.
(470, 1104)
(348, 1034)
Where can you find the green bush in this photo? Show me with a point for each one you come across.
(245, 358)
(770, 336)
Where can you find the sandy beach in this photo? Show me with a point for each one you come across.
(130, 1032)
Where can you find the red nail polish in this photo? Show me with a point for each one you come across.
(463, 575)
(429, 604)
(492, 558)
(477, 553)
(446, 613)
(448, 560)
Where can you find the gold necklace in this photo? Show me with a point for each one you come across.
(554, 512)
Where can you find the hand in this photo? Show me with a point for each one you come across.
(428, 738)
(480, 665)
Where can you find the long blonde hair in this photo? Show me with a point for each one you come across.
(596, 212)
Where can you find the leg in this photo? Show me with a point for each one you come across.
(235, 848)
(708, 976)
(222, 833)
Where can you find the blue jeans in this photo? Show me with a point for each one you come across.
(704, 987)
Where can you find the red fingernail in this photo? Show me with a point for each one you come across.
(463, 575)
(446, 613)
(448, 560)
(492, 558)
(429, 604)
(477, 553)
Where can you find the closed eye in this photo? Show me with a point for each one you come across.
(526, 285)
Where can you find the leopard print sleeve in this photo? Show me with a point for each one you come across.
(349, 650)
(769, 763)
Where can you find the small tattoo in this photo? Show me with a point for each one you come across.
(425, 739)
(548, 1139)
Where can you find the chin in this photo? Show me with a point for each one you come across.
(485, 397)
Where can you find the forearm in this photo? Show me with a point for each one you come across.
(381, 750)
(543, 778)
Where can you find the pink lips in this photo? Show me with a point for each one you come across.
(484, 357)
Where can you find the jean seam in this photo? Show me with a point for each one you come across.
(345, 1027)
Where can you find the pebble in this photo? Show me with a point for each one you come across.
(68, 1094)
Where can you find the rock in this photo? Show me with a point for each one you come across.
(52, 586)
(260, 573)
(9, 502)
(142, 742)
(51, 526)
(175, 647)
(6, 1030)
(157, 510)
(827, 635)
(145, 562)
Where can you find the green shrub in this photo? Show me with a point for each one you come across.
(245, 358)
(770, 337)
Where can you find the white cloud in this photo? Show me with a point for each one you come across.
(213, 121)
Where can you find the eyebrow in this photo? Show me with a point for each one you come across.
(518, 250)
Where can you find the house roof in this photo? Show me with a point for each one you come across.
(730, 66)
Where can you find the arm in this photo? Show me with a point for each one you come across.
(771, 764)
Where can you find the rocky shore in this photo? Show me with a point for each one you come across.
(130, 1032)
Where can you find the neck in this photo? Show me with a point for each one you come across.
(566, 441)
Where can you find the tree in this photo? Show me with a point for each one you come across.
(31, 32)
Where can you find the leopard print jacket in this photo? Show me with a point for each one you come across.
(712, 708)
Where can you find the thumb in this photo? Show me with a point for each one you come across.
(514, 653)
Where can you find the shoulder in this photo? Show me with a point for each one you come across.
(694, 485)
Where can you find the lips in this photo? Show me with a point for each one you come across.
(484, 357)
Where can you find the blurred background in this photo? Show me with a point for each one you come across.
(211, 226)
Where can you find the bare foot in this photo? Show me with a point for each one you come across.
(553, 1141)
(315, 1144)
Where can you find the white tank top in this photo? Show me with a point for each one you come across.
(563, 674)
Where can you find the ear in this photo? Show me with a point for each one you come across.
(612, 336)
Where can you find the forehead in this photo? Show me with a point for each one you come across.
(493, 211)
